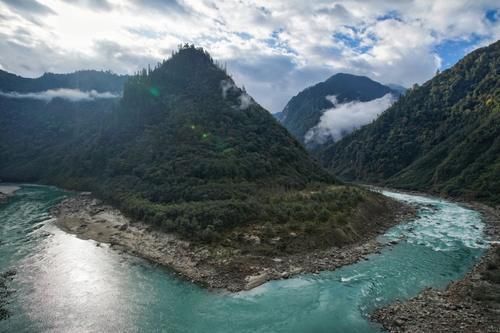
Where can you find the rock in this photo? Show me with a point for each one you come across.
(123, 227)
(285, 275)
(9, 274)
(277, 260)
(295, 270)
(399, 322)
(256, 280)
(293, 234)
(252, 238)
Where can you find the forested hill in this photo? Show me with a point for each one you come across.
(82, 80)
(442, 136)
(304, 110)
(185, 150)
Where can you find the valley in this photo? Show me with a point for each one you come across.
(249, 166)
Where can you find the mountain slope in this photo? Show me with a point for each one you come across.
(304, 110)
(82, 80)
(186, 151)
(443, 136)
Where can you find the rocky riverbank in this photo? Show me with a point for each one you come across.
(214, 266)
(469, 305)
(6, 191)
(5, 293)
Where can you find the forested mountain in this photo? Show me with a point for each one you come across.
(396, 87)
(83, 80)
(442, 136)
(304, 110)
(185, 149)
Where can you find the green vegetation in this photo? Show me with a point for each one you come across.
(83, 80)
(301, 221)
(304, 110)
(184, 150)
(443, 136)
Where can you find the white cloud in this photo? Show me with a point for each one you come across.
(274, 48)
(344, 118)
(73, 95)
(245, 101)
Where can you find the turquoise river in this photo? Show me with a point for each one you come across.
(65, 284)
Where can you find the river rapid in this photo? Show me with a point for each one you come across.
(65, 284)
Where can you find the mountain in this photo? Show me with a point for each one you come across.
(303, 111)
(185, 150)
(82, 80)
(442, 136)
(278, 116)
(396, 87)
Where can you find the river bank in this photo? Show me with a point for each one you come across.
(215, 267)
(471, 304)
(6, 191)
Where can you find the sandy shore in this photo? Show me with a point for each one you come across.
(207, 265)
(468, 305)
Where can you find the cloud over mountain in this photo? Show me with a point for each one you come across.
(73, 95)
(273, 48)
(344, 118)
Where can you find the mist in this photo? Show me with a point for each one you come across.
(73, 95)
(244, 99)
(344, 118)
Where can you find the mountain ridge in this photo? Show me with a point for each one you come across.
(186, 151)
(86, 80)
(443, 136)
(305, 109)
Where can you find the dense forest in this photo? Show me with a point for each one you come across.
(304, 110)
(185, 149)
(442, 136)
(83, 80)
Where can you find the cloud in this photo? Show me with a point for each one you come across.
(91, 4)
(28, 6)
(244, 100)
(73, 95)
(164, 5)
(274, 48)
(344, 118)
(227, 86)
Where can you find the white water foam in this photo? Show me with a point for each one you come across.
(441, 225)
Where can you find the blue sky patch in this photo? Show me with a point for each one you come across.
(351, 42)
(450, 51)
(492, 15)
(391, 15)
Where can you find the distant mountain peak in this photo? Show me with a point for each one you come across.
(304, 111)
(441, 136)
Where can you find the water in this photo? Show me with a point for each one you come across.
(65, 284)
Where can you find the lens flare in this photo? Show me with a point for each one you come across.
(154, 91)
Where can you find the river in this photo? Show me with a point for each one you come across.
(65, 284)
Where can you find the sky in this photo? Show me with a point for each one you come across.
(275, 48)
